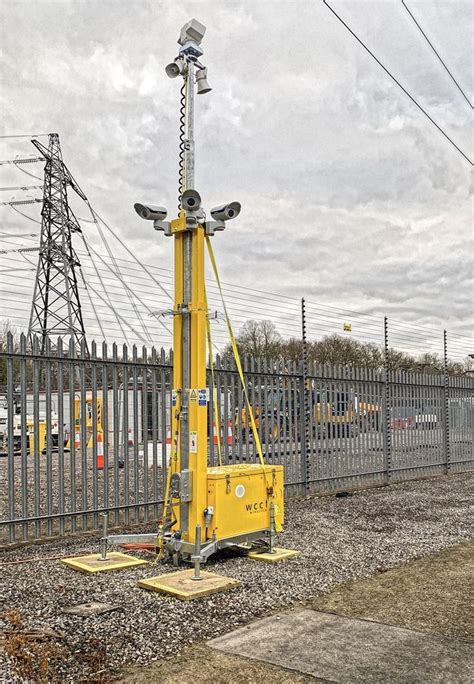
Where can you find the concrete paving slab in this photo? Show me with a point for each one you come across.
(341, 649)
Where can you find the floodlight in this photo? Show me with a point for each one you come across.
(192, 32)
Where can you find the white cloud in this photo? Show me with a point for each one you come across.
(349, 194)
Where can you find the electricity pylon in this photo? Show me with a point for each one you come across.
(56, 308)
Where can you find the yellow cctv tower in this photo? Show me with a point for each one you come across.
(205, 508)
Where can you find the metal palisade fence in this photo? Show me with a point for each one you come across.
(87, 431)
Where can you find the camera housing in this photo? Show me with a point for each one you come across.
(191, 200)
(226, 212)
(150, 212)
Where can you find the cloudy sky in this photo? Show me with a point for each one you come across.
(350, 195)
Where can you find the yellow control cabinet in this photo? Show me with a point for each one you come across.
(239, 498)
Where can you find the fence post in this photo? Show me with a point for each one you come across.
(387, 437)
(304, 405)
(10, 439)
(446, 440)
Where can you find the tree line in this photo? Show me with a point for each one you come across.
(261, 340)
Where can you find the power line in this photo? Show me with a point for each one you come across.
(118, 272)
(20, 249)
(26, 135)
(8, 236)
(30, 218)
(437, 55)
(130, 293)
(24, 160)
(18, 163)
(91, 301)
(15, 270)
(21, 187)
(96, 216)
(286, 320)
(281, 309)
(19, 202)
(398, 83)
(101, 283)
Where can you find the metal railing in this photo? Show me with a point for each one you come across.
(86, 432)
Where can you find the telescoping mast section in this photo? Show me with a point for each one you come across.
(205, 508)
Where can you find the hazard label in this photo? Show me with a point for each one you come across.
(193, 442)
(193, 396)
(203, 396)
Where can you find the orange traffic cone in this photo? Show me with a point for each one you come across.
(77, 440)
(100, 452)
(168, 443)
(214, 432)
(230, 439)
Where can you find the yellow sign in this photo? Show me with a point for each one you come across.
(193, 396)
(347, 327)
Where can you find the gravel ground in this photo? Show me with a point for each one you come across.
(39, 491)
(340, 539)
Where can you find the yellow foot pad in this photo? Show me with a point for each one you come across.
(181, 585)
(92, 563)
(277, 555)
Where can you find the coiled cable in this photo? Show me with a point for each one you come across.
(182, 141)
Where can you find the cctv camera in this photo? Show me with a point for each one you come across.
(226, 211)
(191, 200)
(150, 212)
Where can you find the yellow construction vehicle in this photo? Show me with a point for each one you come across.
(332, 414)
(369, 415)
(87, 419)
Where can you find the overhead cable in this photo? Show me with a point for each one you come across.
(15, 270)
(399, 84)
(21, 187)
(84, 282)
(130, 294)
(24, 160)
(102, 285)
(119, 316)
(26, 135)
(9, 236)
(30, 218)
(20, 202)
(94, 213)
(438, 55)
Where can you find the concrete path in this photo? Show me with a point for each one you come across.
(340, 649)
